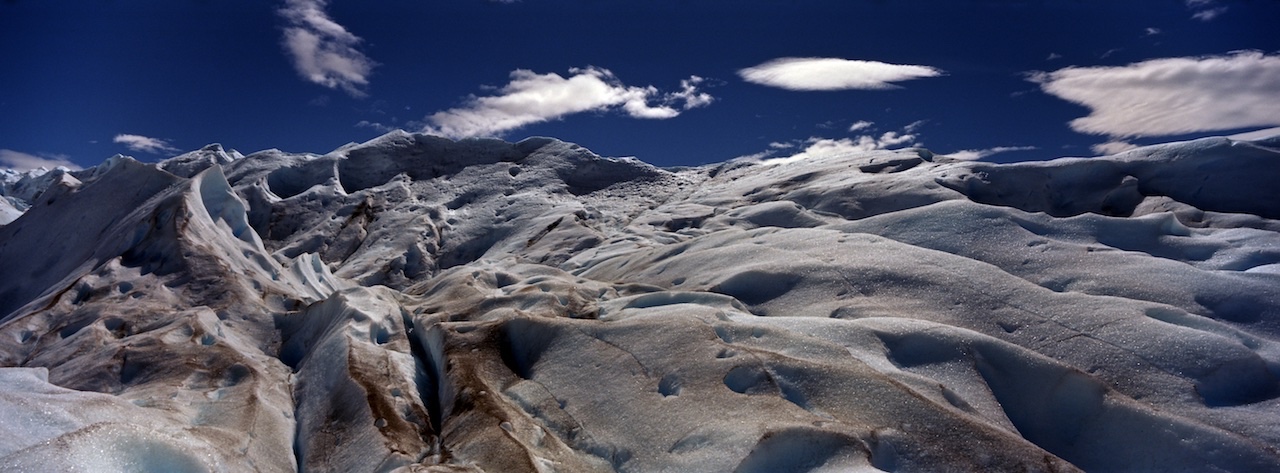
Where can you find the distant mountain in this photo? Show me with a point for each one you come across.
(414, 303)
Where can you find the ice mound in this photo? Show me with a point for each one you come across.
(414, 303)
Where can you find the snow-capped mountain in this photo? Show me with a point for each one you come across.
(418, 304)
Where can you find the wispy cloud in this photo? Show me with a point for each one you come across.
(1205, 10)
(375, 125)
(323, 51)
(144, 144)
(1171, 96)
(810, 73)
(860, 125)
(1112, 147)
(973, 154)
(534, 98)
(1257, 134)
(1210, 14)
(1152, 31)
(1053, 56)
(20, 161)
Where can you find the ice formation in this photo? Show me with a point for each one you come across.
(418, 304)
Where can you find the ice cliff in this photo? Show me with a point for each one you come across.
(418, 304)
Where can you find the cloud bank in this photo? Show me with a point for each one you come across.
(323, 51)
(20, 161)
(1171, 96)
(809, 73)
(144, 144)
(534, 98)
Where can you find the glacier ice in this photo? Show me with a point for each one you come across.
(414, 303)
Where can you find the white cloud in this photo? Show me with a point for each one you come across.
(1112, 147)
(756, 156)
(819, 147)
(890, 139)
(533, 98)
(1209, 14)
(1152, 31)
(375, 125)
(973, 154)
(144, 144)
(1053, 56)
(1205, 10)
(323, 51)
(795, 73)
(20, 161)
(823, 147)
(690, 95)
(966, 155)
(1256, 134)
(1171, 96)
(860, 125)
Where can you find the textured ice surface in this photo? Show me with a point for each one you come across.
(419, 304)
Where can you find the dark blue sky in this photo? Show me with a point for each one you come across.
(84, 80)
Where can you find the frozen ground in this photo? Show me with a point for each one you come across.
(418, 304)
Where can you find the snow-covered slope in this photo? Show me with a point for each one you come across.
(418, 304)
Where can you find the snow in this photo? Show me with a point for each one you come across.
(9, 210)
(413, 303)
(19, 189)
(190, 164)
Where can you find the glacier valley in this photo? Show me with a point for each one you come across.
(417, 304)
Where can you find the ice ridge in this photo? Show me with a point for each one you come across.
(413, 303)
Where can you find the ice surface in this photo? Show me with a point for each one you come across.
(414, 303)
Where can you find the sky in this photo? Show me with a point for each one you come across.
(672, 82)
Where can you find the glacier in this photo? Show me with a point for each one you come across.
(417, 304)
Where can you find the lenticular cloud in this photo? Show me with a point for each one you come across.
(1171, 96)
(796, 73)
